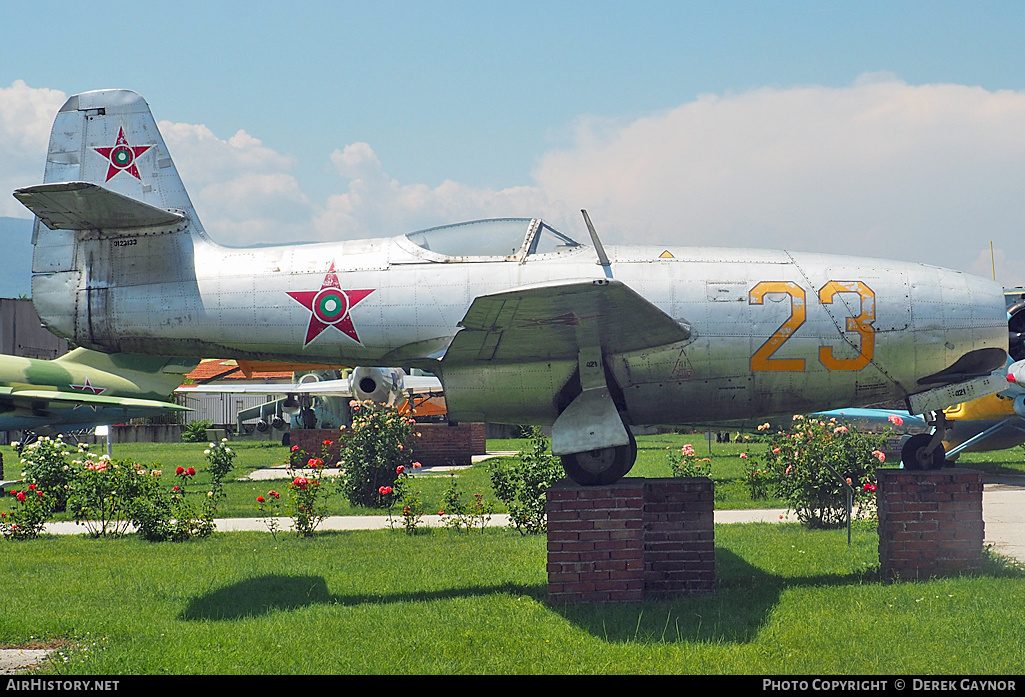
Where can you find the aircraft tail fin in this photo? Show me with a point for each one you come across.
(109, 138)
(115, 362)
(112, 213)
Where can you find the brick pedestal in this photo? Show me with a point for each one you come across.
(635, 539)
(930, 523)
(438, 444)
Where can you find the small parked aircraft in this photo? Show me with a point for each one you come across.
(522, 323)
(83, 388)
(390, 386)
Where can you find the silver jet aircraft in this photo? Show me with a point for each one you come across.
(522, 323)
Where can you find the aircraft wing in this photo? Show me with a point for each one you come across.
(899, 420)
(419, 384)
(553, 320)
(324, 388)
(40, 399)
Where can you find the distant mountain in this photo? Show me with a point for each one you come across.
(16, 260)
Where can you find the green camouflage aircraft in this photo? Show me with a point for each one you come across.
(84, 388)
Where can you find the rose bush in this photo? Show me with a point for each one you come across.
(797, 462)
(685, 462)
(522, 484)
(374, 447)
(32, 509)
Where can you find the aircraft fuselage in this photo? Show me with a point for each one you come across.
(772, 331)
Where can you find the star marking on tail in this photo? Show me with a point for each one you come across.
(329, 307)
(121, 157)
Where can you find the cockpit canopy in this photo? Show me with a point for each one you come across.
(503, 238)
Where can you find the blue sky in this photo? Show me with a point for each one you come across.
(381, 116)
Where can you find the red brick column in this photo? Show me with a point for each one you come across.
(438, 444)
(679, 536)
(930, 523)
(630, 540)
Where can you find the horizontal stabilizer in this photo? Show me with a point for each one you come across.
(85, 206)
(36, 398)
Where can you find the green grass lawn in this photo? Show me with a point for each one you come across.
(1010, 461)
(727, 470)
(240, 501)
(789, 601)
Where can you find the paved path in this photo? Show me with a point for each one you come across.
(1003, 511)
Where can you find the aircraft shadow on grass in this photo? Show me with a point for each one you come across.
(740, 606)
(735, 612)
(264, 594)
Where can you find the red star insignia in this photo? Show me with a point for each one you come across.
(87, 387)
(122, 156)
(330, 307)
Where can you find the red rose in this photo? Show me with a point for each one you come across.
(274, 494)
(384, 490)
(180, 471)
(400, 469)
(260, 499)
(295, 448)
(20, 495)
(191, 472)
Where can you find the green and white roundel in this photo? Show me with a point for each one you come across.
(330, 305)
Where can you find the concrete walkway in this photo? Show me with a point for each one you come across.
(1003, 511)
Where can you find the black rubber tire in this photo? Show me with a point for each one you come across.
(601, 467)
(913, 446)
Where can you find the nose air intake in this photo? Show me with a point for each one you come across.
(1016, 331)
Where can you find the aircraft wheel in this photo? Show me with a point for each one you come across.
(600, 467)
(914, 457)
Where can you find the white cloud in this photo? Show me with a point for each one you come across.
(243, 191)
(376, 205)
(26, 114)
(880, 168)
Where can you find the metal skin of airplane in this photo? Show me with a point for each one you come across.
(521, 323)
(83, 389)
